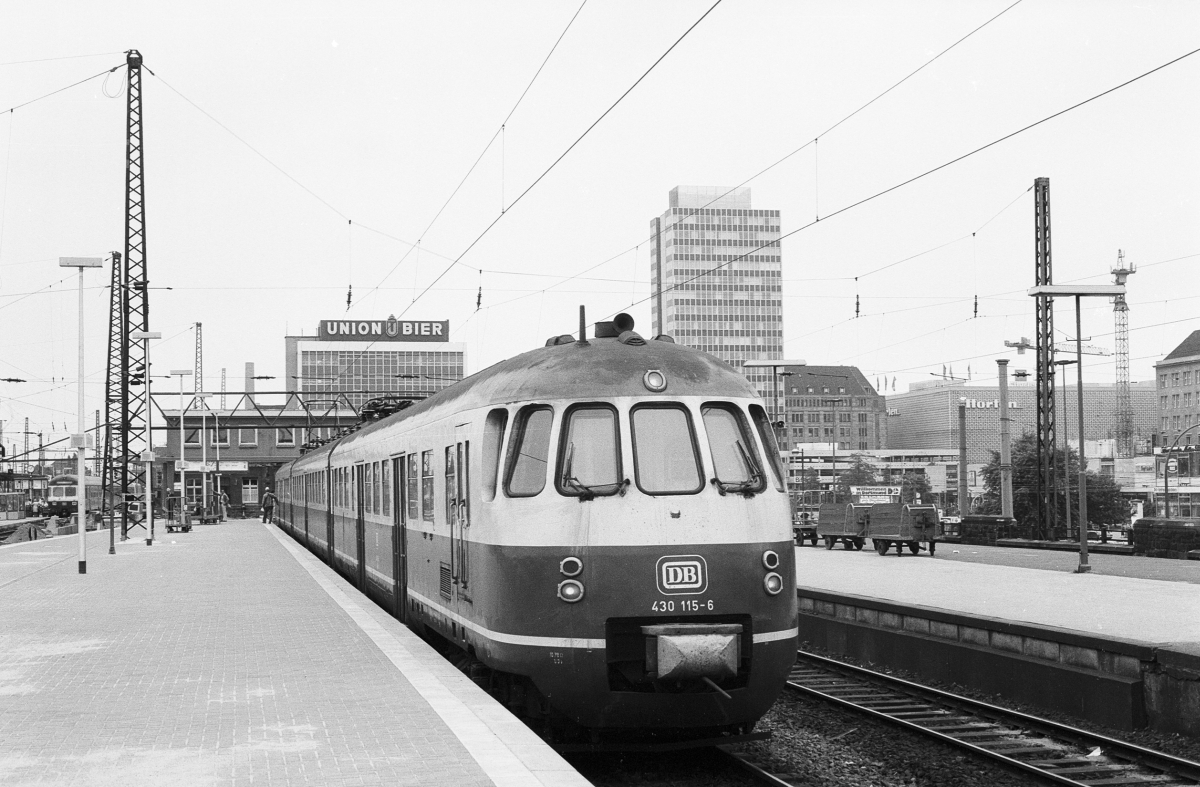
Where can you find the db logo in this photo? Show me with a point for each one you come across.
(682, 575)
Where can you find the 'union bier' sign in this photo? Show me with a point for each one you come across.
(384, 330)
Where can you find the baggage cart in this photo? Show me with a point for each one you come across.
(898, 525)
(846, 523)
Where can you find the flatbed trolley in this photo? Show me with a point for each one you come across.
(899, 525)
(846, 523)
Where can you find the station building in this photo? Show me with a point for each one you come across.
(718, 263)
(1178, 428)
(926, 416)
(828, 404)
(238, 450)
(359, 359)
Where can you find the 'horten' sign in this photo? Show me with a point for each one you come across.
(390, 330)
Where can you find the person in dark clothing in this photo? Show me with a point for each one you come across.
(268, 506)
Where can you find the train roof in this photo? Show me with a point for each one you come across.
(601, 367)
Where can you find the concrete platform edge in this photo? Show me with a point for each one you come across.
(1116, 682)
(507, 751)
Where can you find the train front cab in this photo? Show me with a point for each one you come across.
(669, 598)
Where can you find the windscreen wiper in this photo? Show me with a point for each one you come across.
(747, 487)
(585, 491)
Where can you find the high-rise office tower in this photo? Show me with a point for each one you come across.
(716, 277)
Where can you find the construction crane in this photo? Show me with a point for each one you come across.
(199, 376)
(1121, 317)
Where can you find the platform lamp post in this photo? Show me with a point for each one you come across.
(181, 373)
(1064, 363)
(1167, 471)
(79, 439)
(1079, 292)
(147, 455)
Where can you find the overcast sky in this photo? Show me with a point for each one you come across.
(332, 133)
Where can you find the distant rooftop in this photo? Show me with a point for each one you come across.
(710, 197)
(1189, 347)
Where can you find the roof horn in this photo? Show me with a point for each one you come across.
(582, 326)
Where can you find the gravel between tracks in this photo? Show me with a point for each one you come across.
(1177, 745)
(823, 745)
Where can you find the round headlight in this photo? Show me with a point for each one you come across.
(654, 380)
(570, 567)
(571, 590)
(770, 560)
(773, 583)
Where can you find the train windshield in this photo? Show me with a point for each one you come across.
(590, 459)
(736, 469)
(529, 451)
(664, 450)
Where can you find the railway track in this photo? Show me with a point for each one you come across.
(1058, 753)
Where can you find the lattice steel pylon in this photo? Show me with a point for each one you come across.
(1124, 402)
(198, 377)
(1047, 485)
(126, 405)
(114, 404)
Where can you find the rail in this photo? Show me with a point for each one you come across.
(1056, 752)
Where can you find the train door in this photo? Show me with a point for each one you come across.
(360, 523)
(304, 491)
(399, 540)
(328, 498)
(458, 461)
(329, 530)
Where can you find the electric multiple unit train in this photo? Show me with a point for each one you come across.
(598, 531)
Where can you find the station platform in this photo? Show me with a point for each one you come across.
(1118, 646)
(228, 655)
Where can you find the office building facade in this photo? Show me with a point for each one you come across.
(926, 416)
(363, 359)
(716, 273)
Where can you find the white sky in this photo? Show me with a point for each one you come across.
(380, 108)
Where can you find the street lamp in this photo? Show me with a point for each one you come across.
(1167, 473)
(1079, 292)
(1066, 452)
(79, 439)
(181, 373)
(148, 455)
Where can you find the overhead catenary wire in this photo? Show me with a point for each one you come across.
(928, 172)
(15, 107)
(486, 148)
(814, 142)
(570, 147)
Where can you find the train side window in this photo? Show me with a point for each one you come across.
(528, 452)
(589, 455)
(665, 456)
(376, 504)
(414, 501)
(427, 485)
(451, 484)
(735, 458)
(385, 486)
(493, 443)
(766, 433)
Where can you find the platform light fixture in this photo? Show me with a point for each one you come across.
(1078, 292)
(79, 439)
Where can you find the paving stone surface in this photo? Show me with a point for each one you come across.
(1121, 601)
(217, 657)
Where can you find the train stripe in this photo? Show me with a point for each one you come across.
(561, 642)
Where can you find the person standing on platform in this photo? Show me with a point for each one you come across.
(268, 505)
(224, 502)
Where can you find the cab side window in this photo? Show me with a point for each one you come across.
(528, 452)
